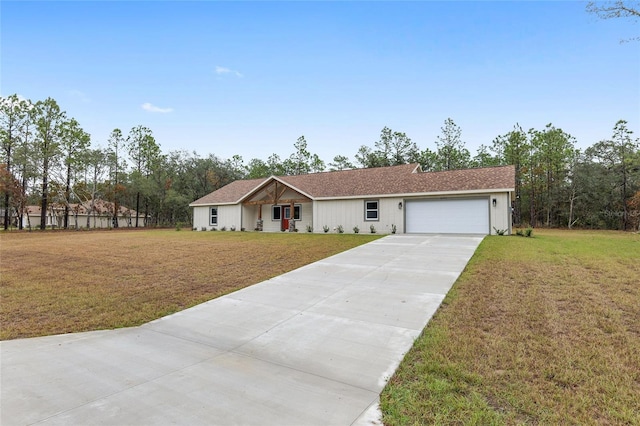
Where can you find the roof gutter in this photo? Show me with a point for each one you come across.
(418, 194)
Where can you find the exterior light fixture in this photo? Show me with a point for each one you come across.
(400, 205)
(495, 201)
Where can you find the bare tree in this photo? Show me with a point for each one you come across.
(616, 9)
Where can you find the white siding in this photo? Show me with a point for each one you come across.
(247, 217)
(351, 213)
(348, 213)
(270, 225)
(500, 215)
(228, 217)
(250, 217)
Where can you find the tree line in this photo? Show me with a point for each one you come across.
(47, 158)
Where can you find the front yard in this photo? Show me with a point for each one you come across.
(542, 330)
(65, 282)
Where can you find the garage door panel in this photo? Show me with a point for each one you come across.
(451, 216)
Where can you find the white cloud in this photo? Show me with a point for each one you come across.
(223, 70)
(152, 108)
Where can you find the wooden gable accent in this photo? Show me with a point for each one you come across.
(273, 192)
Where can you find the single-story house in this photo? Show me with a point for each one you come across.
(401, 199)
(96, 214)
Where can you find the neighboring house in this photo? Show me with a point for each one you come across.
(99, 215)
(472, 201)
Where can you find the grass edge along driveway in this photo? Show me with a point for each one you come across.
(65, 282)
(539, 330)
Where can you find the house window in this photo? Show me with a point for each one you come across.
(277, 212)
(371, 210)
(214, 216)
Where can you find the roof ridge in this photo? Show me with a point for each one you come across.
(355, 169)
(378, 181)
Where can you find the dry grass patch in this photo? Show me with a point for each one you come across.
(542, 330)
(62, 282)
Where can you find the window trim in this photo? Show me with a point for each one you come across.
(367, 210)
(296, 208)
(213, 217)
(273, 210)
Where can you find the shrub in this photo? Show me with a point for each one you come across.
(233, 228)
(520, 233)
(528, 232)
(393, 228)
(309, 228)
(203, 228)
(224, 228)
(325, 228)
(373, 229)
(340, 229)
(499, 231)
(356, 229)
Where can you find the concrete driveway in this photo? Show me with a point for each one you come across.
(311, 347)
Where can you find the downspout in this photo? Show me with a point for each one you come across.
(510, 212)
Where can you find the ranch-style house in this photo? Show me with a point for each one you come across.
(401, 199)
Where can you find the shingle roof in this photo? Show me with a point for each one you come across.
(403, 179)
(231, 193)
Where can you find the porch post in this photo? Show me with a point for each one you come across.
(292, 221)
(259, 225)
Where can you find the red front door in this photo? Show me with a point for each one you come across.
(286, 215)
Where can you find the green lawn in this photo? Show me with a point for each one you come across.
(542, 330)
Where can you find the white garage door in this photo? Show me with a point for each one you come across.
(452, 216)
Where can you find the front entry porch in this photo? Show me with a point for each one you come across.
(278, 207)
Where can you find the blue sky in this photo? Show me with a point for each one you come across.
(249, 78)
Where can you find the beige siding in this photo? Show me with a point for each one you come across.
(201, 218)
(271, 225)
(247, 217)
(500, 215)
(332, 213)
(306, 217)
(351, 213)
(250, 217)
(228, 217)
